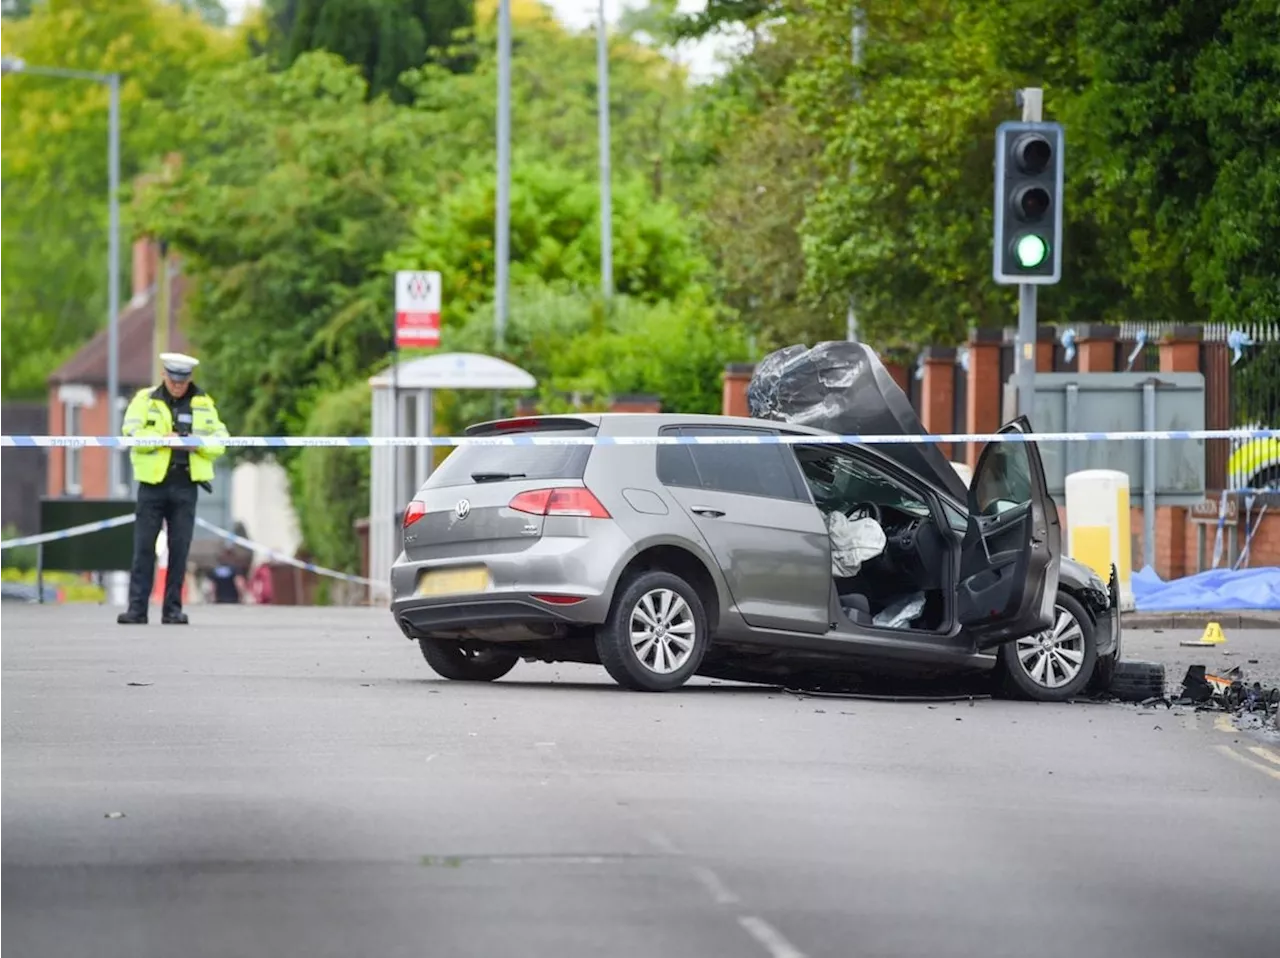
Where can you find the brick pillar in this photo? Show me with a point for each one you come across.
(1180, 350)
(736, 378)
(527, 406)
(1096, 348)
(1171, 542)
(938, 392)
(1046, 341)
(983, 396)
(642, 403)
(900, 375)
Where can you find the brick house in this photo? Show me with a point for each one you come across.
(78, 401)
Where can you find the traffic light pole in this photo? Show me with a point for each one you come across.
(1032, 102)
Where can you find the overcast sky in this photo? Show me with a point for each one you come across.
(699, 57)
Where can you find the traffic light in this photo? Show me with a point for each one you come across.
(1028, 203)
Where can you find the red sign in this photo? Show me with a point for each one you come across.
(416, 330)
(417, 309)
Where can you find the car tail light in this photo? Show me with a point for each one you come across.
(560, 599)
(574, 501)
(414, 511)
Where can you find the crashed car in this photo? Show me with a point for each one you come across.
(787, 552)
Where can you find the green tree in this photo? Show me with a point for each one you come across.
(582, 354)
(553, 92)
(299, 189)
(903, 218)
(330, 487)
(210, 11)
(748, 168)
(555, 238)
(55, 160)
(384, 38)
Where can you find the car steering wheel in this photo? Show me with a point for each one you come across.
(865, 510)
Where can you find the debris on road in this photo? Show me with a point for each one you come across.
(114, 815)
(1229, 693)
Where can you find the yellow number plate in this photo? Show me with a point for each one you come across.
(453, 581)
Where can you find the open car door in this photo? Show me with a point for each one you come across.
(1010, 556)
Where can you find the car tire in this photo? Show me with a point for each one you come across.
(1030, 668)
(643, 644)
(452, 661)
(1138, 681)
(1104, 672)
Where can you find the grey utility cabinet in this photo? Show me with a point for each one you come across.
(1118, 402)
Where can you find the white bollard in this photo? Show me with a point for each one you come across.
(1098, 531)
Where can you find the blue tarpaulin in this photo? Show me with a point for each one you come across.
(1218, 590)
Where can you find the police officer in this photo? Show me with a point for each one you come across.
(169, 481)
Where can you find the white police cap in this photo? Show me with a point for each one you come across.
(178, 365)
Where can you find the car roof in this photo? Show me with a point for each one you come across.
(644, 422)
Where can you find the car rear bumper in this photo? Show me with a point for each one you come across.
(495, 616)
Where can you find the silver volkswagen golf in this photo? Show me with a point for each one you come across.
(701, 555)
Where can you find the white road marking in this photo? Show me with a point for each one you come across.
(769, 937)
(1266, 753)
(1228, 751)
(431, 756)
(720, 894)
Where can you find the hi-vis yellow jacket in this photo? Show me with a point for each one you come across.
(148, 415)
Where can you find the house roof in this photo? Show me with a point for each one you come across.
(137, 345)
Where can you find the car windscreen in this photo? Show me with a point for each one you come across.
(467, 465)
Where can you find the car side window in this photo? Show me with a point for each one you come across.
(840, 481)
(750, 469)
(1003, 479)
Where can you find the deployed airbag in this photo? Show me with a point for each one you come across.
(853, 542)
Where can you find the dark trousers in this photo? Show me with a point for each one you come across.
(173, 504)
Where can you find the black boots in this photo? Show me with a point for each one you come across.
(136, 618)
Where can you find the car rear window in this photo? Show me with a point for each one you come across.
(518, 462)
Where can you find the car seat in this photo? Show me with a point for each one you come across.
(857, 607)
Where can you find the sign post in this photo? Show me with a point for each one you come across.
(417, 326)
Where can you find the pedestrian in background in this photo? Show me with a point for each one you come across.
(169, 481)
(228, 578)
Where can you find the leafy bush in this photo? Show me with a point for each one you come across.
(21, 557)
(330, 487)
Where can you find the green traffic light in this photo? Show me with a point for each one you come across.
(1030, 251)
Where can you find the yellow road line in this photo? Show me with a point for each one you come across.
(1228, 751)
(1223, 724)
(1263, 752)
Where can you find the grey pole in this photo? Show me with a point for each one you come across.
(606, 185)
(1032, 100)
(502, 226)
(857, 34)
(1149, 475)
(113, 278)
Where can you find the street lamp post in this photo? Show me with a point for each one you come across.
(606, 191)
(112, 83)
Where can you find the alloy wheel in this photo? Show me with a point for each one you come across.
(663, 631)
(1054, 657)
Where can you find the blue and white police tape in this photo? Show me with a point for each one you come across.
(288, 559)
(69, 533)
(551, 439)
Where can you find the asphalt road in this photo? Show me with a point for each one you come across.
(287, 782)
